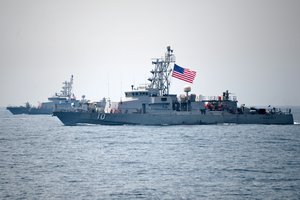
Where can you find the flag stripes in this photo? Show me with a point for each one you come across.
(183, 74)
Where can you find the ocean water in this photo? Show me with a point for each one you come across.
(42, 159)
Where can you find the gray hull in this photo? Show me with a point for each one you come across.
(260, 119)
(73, 118)
(18, 110)
(30, 111)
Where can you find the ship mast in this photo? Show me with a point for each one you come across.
(67, 88)
(160, 74)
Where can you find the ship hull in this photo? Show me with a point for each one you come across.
(74, 118)
(40, 111)
(280, 119)
(18, 110)
(29, 111)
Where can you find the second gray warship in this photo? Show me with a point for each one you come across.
(63, 100)
(153, 105)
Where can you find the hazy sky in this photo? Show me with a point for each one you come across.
(250, 47)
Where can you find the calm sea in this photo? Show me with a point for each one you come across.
(42, 159)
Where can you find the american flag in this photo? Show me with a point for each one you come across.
(183, 74)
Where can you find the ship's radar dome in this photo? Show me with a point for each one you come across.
(187, 89)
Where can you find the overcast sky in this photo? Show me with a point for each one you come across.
(250, 47)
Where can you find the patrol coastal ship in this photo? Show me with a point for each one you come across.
(63, 100)
(153, 105)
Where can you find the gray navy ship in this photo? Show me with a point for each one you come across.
(152, 104)
(63, 100)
